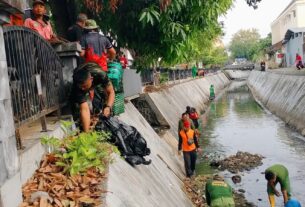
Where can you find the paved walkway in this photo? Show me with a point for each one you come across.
(288, 71)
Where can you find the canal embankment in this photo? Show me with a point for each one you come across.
(237, 74)
(282, 94)
(236, 123)
(161, 182)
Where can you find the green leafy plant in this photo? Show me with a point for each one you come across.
(66, 126)
(85, 151)
(51, 143)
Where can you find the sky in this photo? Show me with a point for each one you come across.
(241, 16)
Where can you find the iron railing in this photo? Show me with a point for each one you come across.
(35, 72)
(149, 76)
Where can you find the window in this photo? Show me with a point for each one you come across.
(294, 14)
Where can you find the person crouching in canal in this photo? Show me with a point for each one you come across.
(188, 143)
(277, 174)
(218, 193)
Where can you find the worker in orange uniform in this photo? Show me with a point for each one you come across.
(188, 143)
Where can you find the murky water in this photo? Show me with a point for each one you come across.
(236, 122)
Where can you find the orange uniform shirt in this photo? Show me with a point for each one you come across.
(185, 137)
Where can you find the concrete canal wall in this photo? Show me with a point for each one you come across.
(171, 103)
(160, 183)
(237, 74)
(282, 94)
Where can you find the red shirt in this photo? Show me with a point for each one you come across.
(44, 29)
(123, 61)
(299, 58)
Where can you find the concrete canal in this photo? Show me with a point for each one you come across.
(236, 122)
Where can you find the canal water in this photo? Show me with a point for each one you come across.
(236, 122)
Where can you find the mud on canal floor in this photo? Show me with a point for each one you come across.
(195, 189)
(235, 122)
(242, 161)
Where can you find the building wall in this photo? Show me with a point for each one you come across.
(292, 17)
(276, 33)
(301, 15)
(293, 46)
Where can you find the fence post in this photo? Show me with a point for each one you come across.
(8, 151)
(9, 164)
(174, 72)
(43, 121)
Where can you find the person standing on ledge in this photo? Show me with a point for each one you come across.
(277, 174)
(76, 31)
(39, 22)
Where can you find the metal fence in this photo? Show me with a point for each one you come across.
(35, 72)
(149, 76)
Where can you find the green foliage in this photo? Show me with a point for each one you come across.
(87, 150)
(262, 48)
(150, 15)
(66, 126)
(215, 56)
(248, 44)
(163, 77)
(244, 44)
(78, 153)
(152, 33)
(50, 142)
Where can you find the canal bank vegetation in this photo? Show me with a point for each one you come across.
(72, 172)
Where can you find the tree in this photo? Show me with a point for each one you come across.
(167, 33)
(244, 44)
(153, 28)
(263, 48)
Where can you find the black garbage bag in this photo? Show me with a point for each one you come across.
(129, 141)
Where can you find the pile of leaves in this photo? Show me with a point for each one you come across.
(238, 163)
(195, 189)
(50, 187)
(72, 174)
(151, 88)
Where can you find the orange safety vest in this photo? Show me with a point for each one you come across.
(185, 136)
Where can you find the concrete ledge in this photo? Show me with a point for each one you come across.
(10, 192)
(30, 158)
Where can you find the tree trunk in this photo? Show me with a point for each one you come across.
(63, 15)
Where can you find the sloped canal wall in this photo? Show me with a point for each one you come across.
(283, 95)
(160, 183)
(237, 74)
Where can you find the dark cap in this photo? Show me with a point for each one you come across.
(38, 2)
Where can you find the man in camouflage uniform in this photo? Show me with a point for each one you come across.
(92, 93)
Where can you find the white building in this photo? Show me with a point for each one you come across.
(288, 32)
(292, 17)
